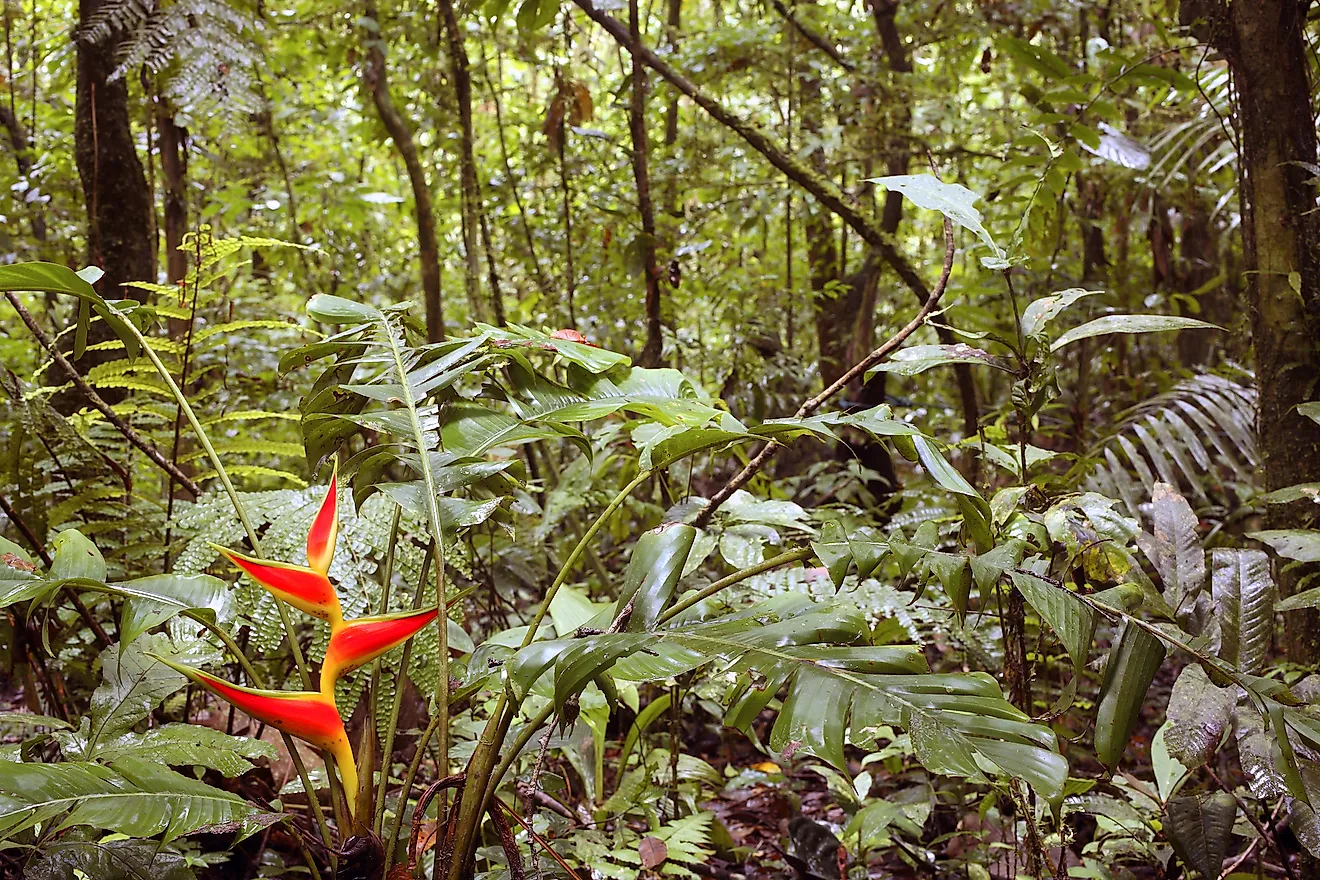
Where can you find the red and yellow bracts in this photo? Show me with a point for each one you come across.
(314, 717)
(311, 717)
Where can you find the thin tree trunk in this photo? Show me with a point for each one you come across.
(174, 173)
(174, 177)
(375, 79)
(653, 350)
(114, 186)
(509, 176)
(19, 139)
(1265, 44)
(469, 186)
(569, 271)
(825, 191)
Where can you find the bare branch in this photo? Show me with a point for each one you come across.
(888, 347)
(132, 436)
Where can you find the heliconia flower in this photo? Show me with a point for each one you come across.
(360, 641)
(321, 536)
(304, 588)
(311, 717)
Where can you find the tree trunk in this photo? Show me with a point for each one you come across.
(374, 78)
(884, 14)
(114, 187)
(653, 350)
(1265, 45)
(469, 187)
(675, 25)
(20, 139)
(174, 175)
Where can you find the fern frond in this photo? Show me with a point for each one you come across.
(1199, 436)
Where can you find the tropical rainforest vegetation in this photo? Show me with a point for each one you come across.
(699, 438)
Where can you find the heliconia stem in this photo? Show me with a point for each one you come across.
(311, 717)
(303, 588)
(321, 536)
(360, 641)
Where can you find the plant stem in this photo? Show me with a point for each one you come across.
(738, 576)
(438, 548)
(519, 743)
(481, 765)
(581, 547)
(393, 841)
(243, 518)
(400, 682)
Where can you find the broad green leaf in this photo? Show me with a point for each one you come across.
(1169, 772)
(955, 575)
(1038, 313)
(1199, 827)
(1132, 666)
(662, 447)
(472, 430)
(953, 200)
(134, 684)
(75, 557)
(653, 571)
(40, 277)
(939, 468)
(1130, 324)
(131, 796)
(989, 567)
(1311, 410)
(1288, 494)
(834, 552)
(839, 689)
(877, 422)
(1072, 621)
(455, 512)
(1199, 713)
(919, 358)
(54, 278)
(1300, 544)
(182, 745)
(69, 857)
(329, 309)
(1243, 594)
(589, 357)
(19, 580)
(155, 599)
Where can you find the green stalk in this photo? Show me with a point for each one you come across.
(738, 576)
(387, 576)
(392, 843)
(298, 658)
(400, 681)
(581, 547)
(433, 514)
(482, 763)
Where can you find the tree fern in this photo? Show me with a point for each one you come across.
(205, 49)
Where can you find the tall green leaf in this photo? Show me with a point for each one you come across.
(1132, 666)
